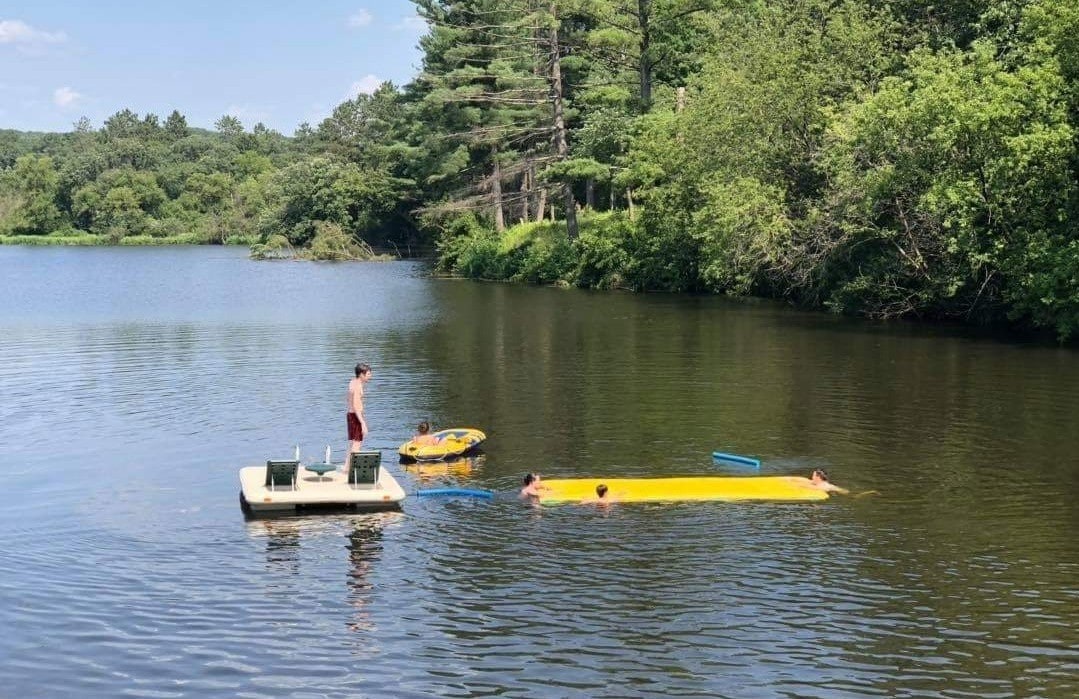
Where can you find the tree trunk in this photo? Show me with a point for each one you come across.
(526, 193)
(541, 205)
(590, 193)
(644, 68)
(629, 201)
(571, 211)
(561, 146)
(611, 191)
(680, 100)
(496, 191)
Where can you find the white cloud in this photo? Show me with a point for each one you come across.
(360, 19)
(364, 86)
(13, 31)
(65, 97)
(412, 23)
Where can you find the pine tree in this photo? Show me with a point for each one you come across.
(492, 74)
(176, 126)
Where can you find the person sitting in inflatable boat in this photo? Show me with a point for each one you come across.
(423, 435)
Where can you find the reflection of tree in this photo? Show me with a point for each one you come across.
(364, 548)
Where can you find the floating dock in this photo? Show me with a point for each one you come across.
(329, 490)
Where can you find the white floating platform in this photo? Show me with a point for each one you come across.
(313, 490)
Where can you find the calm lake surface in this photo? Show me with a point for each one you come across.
(134, 383)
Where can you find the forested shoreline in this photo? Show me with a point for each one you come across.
(887, 159)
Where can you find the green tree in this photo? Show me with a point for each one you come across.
(122, 124)
(207, 192)
(639, 39)
(176, 126)
(119, 202)
(373, 131)
(229, 126)
(493, 75)
(952, 186)
(320, 189)
(33, 185)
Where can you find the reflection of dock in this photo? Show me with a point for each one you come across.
(363, 533)
(282, 542)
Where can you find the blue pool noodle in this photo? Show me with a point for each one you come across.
(457, 491)
(735, 459)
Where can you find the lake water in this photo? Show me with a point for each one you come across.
(134, 383)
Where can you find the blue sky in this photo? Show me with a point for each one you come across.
(278, 62)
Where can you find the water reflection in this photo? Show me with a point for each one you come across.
(364, 551)
(447, 471)
(282, 537)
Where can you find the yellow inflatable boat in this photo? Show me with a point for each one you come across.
(774, 488)
(450, 445)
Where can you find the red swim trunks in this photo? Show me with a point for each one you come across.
(355, 429)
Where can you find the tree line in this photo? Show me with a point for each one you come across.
(884, 158)
(147, 180)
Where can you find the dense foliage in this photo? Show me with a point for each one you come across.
(138, 180)
(886, 159)
(881, 158)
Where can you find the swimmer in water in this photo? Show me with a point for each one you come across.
(819, 480)
(603, 496)
(532, 486)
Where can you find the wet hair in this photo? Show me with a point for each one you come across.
(362, 368)
(531, 478)
(820, 472)
(601, 490)
(424, 427)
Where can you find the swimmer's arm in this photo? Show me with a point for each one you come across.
(832, 488)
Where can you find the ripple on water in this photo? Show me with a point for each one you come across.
(130, 570)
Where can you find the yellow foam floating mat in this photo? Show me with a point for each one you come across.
(776, 488)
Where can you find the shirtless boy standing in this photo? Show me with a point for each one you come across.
(357, 425)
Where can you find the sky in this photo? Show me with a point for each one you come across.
(281, 63)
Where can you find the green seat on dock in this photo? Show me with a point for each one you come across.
(281, 473)
(363, 467)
